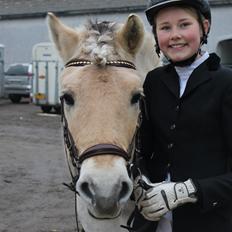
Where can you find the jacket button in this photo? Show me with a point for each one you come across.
(173, 126)
(177, 108)
(170, 145)
(215, 203)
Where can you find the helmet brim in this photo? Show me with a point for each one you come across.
(153, 10)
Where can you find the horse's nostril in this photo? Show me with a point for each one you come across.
(124, 190)
(86, 190)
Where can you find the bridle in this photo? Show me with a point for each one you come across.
(77, 158)
(71, 149)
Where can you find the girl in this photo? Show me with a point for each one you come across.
(188, 132)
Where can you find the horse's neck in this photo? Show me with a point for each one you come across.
(147, 59)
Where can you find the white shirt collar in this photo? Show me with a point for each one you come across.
(189, 69)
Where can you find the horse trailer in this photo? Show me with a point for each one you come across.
(46, 69)
(1, 70)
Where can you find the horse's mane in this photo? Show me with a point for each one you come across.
(101, 27)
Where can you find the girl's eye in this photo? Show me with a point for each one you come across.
(184, 25)
(165, 28)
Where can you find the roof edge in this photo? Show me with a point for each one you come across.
(74, 12)
(128, 9)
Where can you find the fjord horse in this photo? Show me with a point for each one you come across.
(100, 88)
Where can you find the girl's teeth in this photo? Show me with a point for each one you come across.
(177, 46)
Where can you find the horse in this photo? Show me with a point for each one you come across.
(100, 87)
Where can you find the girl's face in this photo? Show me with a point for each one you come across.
(179, 32)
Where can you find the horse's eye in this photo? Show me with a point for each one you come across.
(68, 98)
(135, 98)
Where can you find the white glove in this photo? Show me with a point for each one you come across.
(165, 196)
(139, 190)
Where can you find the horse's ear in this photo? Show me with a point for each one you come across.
(64, 37)
(132, 34)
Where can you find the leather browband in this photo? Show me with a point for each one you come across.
(116, 63)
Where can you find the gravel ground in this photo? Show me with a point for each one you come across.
(32, 170)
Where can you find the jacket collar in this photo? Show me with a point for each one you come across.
(199, 76)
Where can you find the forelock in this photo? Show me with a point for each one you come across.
(101, 27)
(99, 41)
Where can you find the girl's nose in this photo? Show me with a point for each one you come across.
(175, 34)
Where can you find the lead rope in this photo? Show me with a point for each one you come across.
(143, 228)
(78, 225)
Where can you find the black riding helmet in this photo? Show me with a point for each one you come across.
(201, 6)
(154, 6)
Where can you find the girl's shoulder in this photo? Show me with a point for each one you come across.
(161, 70)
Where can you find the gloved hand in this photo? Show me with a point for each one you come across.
(139, 189)
(165, 196)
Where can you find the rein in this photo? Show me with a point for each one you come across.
(77, 158)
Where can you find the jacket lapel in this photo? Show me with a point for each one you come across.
(198, 77)
(202, 73)
(171, 80)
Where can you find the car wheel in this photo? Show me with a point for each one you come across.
(57, 109)
(46, 109)
(15, 98)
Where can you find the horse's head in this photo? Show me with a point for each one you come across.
(101, 102)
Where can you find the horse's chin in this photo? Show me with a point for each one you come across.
(104, 217)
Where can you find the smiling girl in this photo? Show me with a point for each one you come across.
(179, 33)
(187, 136)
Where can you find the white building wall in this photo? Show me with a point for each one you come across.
(19, 36)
